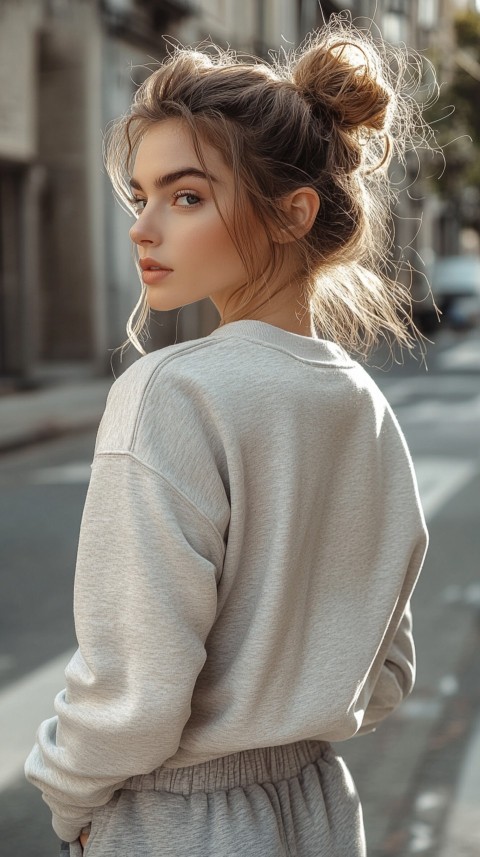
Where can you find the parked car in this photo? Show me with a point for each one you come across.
(455, 282)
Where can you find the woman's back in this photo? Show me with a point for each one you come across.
(297, 472)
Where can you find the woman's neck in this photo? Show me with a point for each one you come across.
(291, 321)
(282, 309)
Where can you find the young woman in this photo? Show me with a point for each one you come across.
(252, 532)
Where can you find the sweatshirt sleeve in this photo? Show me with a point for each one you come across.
(396, 678)
(145, 599)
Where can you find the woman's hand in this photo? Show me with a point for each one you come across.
(84, 839)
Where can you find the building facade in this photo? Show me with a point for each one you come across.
(67, 278)
(67, 68)
(20, 182)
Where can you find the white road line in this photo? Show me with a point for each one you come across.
(441, 411)
(464, 389)
(439, 478)
(23, 706)
(464, 355)
(75, 472)
(396, 391)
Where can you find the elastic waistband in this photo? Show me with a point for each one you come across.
(261, 765)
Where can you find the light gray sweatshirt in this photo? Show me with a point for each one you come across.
(250, 541)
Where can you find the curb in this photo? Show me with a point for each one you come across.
(42, 415)
(462, 832)
(45, 433)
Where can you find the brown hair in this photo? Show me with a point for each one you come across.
(330, 115)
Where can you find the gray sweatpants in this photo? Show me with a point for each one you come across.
(297, 800)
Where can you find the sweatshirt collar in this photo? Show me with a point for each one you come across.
(308, 347)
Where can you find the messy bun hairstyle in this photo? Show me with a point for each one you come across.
(330, 115)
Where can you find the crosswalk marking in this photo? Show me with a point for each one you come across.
(438, 410)
(439, 478)
(462, 355)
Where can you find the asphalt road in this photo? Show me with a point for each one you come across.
(406, 772)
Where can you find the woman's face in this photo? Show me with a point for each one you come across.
(179, 228)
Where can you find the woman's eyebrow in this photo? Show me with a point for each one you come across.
(171, 178)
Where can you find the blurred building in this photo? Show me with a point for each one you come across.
(67, 283)
(415, 23)
(67, 68)
(18, 183)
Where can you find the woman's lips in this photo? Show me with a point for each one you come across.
(151, 278)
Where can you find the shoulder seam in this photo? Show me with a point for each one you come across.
(119, 454)
(150, 380)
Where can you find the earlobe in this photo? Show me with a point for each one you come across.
(301, 207)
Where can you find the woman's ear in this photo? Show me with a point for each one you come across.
(300, 208)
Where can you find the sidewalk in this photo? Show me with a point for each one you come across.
(50, 411)
(462, 831)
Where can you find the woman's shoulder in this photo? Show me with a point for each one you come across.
(140, 373)
(158, 413)
(156, 393)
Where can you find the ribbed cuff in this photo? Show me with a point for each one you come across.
(69, 831)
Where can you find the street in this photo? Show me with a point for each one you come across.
(408, 771)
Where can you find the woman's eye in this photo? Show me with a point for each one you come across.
(137, 204)
(186, 199)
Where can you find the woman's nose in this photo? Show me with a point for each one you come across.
(143, 231)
